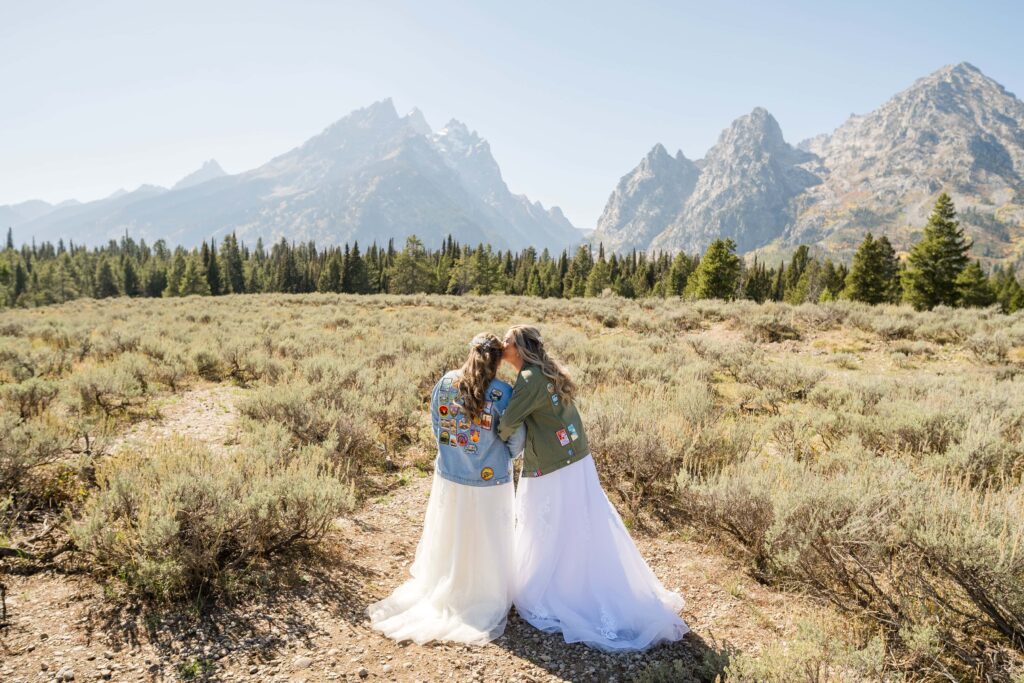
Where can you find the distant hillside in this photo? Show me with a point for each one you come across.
(371, 176)
(956, 130)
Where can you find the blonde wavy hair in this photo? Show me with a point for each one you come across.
(531, 349)
(477, 372)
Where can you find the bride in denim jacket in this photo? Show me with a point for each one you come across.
(460, 588)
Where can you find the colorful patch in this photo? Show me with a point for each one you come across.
(442, 410)
(462, 439)
(446, 384)
(487, 474)
(563, 437)
(445, 438)
(554, 399)
(571, 452)
(471, 448)
(454, 409)
(495, 394)
(537, 473)
(474, 436)
(485, 422)
(488, 406)
(463, 424)
(572, 432)
(476, 420)
(551, 388)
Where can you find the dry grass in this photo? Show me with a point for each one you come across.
(870, 456)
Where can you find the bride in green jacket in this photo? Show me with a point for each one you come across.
(576, 569)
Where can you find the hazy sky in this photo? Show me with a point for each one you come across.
(95, 95)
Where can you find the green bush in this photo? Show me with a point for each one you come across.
(311, 421)
(112, 389)
(27, 448)
(29, 398)
(175, 520)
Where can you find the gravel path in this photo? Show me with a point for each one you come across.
(309, 623)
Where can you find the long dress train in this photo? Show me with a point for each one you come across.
(460, 588)
(578, 571)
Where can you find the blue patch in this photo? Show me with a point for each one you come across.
(554, 399)
(496, 394)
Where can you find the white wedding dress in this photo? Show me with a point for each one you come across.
(578, 572)
(460, 588)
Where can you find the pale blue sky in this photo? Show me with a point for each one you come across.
(100, 95)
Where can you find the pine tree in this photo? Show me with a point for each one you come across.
(20, 282)
(132, 286)
(599, 278)
(331, 275)
(718, 274)
(974, 288)
(286, 273)
(797, 265)
(1007, 289)
(155, 280)
(575, 279)
(935, 262)
(10, 238)
(411, 273)
(678, 273)
(809, 287)
(194, 280)
(892, 270)
(213, 271)
(234, 272)
(106, 286)
(359, 281)
(869, 280)
(176, 273)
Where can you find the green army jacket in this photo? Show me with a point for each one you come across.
(554, 430)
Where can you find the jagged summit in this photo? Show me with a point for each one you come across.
(418, 122)
(208, 171)
(370, 176)
(954, 130)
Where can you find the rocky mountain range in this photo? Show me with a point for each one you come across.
(371, 176)
(955, 130)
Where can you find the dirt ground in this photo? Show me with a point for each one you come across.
(309, 623)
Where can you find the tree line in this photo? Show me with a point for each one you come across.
(937, 271)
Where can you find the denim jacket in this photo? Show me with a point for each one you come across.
(469, 451)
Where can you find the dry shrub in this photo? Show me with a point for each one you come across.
(176, 521)
(922, 560)
(208, 365)
(113, 389)
(990, 347)
(769, 328)
(311, 422)
(26, 448)
(644, 449)
(29, 398)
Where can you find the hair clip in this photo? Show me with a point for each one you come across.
(482, 343)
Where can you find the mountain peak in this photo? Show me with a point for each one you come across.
(208, 171)
(418, 122)
(757, 129)
(658, 152)
(456, 127)
(378, 114)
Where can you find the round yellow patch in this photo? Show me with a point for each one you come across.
(486, 474)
